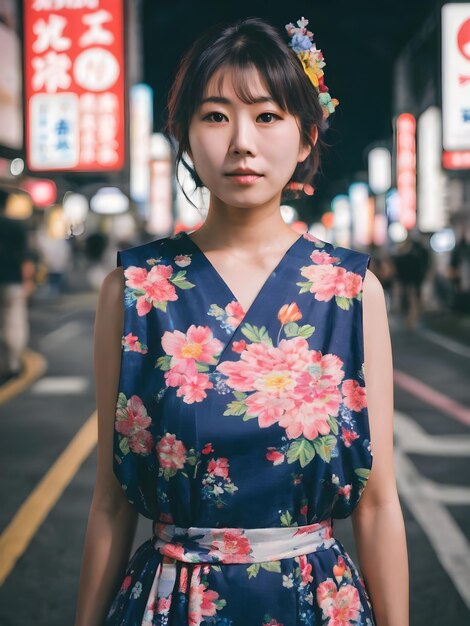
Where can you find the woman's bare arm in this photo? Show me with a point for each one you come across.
(112, 520)
(378, 519)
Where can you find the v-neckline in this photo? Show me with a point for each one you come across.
(224, 283)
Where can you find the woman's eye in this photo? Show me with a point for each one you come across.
(214, 115)
(273, 115)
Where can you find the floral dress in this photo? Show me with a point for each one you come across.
(242, 435)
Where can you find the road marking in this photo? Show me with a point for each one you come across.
(16, 537)
(414, 439)
(34, 365)
(430, 396)
(445, 342)
(57, 385)
(448, 541)
(59, 335)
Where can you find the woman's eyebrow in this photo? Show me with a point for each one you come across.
(222, 100)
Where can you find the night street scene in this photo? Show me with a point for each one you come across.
(333, 219)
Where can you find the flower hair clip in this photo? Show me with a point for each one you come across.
(313, 62)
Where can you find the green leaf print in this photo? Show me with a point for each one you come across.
(179, 280)
(300, 450)
(252, 570)
(164, 362)
(333, 422)
(343, 303)
(236, 407)
(121, 401)
(163, 305)
(306, 331)
(359, 296)
(272, 566)
(286, 519)
(124, 445)
(294, 330)
(363, 474)
(324, 445)
(257, 335)
(202, 367)
(305, 286)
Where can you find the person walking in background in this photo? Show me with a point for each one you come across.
(411, 264)
(14, 324)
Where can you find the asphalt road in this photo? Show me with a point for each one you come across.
(432, 447)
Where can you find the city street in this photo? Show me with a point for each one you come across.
(432, 444)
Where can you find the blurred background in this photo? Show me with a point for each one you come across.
(85, 170)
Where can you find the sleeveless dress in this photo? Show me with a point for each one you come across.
(242, 435)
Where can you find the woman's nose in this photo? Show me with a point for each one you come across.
(243, 138)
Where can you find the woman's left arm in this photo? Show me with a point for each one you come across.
(378, 524)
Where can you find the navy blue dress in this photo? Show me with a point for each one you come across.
(242, 435)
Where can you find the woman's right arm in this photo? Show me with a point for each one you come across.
(112, 519)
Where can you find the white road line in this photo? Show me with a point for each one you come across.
(59, 335)
(59, 385)
(424, 500)
(414, 439)
(445, 342)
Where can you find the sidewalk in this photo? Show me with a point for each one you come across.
(453, 325)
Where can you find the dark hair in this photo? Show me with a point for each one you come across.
(250, 42)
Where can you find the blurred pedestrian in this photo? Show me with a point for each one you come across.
(14, 324)
(56, 254)
(411, 266)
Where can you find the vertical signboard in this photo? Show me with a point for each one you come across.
(406, 169)
(456, 85)
(74, 85)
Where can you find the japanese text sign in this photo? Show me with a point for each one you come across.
(74, 85)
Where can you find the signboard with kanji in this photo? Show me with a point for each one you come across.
(74, 85)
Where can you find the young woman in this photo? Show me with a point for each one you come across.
(232, 365)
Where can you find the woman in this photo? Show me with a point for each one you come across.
(242, 426)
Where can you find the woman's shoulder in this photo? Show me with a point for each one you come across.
(141, 253)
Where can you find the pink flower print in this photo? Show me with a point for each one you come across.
(183, 582)
(218, 467)
(150, 286)
(181, 371)
(207, 449)
(232, 547)
(163, 605)
(131, 421)
(323, 279)
(304, 510)
(341, 606)
(305, 569)
(311, 237)
(202, 601)
(182, 260)
(197, 343)
(126, 583)
(135, 277)
(235, 314)
(239, 346)
(348, 284)
(322, 258)
(171, 452)
(173, 550)
(345, 491)
(290, 384)
(355, 397)
(348, 436)
(276, 457)
(131, 343)
(193, 390)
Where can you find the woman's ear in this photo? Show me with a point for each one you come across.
(314, 134)
(306, 149)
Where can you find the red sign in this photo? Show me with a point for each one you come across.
(74, 85)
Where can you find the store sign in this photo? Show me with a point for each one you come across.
(406, 169)
(74, 85)
(456, 85)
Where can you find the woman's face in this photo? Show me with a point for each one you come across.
(226, 134)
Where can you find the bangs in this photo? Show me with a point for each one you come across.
(241, 73)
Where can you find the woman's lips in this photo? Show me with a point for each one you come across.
(244, 179)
